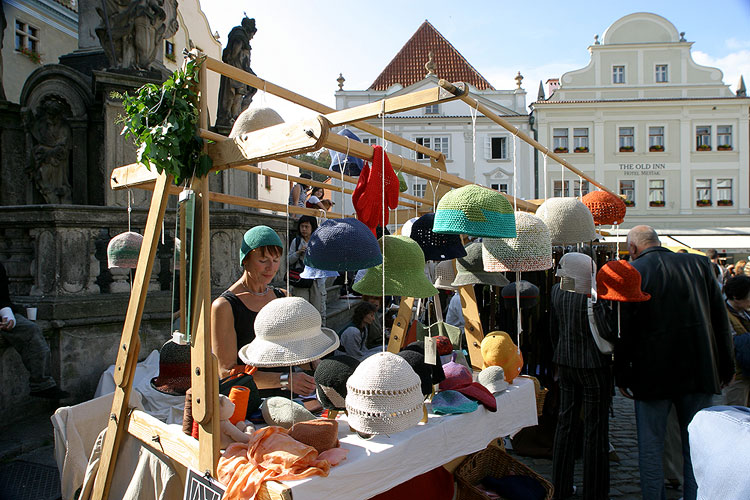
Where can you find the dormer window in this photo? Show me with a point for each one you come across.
(618, 74)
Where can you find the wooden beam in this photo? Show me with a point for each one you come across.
(473, 325)
(156, 434)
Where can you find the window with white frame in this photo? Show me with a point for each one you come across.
(432, 109)
(703, 192)
(580, 188)
(560, 188)
(560, 140)
(419, 189)
(662, 73)
(627, 189)
(618, 74)
(497, 148)
(656, 138)
(703, 138)
(441, 144)
(656, 193)
(502, 187)
(724, 137)
(370, 141)
(27, 37)
(626, 139)
(581, 140)
(724, 192)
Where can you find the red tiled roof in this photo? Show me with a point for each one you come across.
(408, 68)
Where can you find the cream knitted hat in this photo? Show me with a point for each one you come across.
(569, 221)
(384, 395)
(445, 273)
(493, 378)
(576, 271)
(288, 332)
(530, 250)
(284, 412)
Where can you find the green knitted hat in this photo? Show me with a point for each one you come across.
(259, 236)
(476, 211)
(404, 271)
(402, 185)
(470, 269)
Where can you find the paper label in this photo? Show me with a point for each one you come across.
(430, 350)
(202, 487)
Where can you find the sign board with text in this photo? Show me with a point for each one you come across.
(201, 487)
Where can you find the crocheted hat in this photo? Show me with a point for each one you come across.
(493, 378)
(330, 380)
(402, 185)
(416, 361)
(343, 245)
(618, 280)
(376, 191)
(288, 332)
(529, 295)
(476, 211)
(605, 207)
(445, 273)
(458, 378)
(284, 412)
(351, 165)
(530, 250)
(123, 250)
(470, 269)
(254, 119)
(174, 369)
(313, 273)
(438, 375)
(452, 403)
(383, 395)
(256, 237)
(406, 228)
(444, 345)
(404, 271)
(568, 220)
(436, 246)
(321, 433)
(576, 270)
(498, 349)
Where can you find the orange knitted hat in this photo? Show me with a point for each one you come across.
(498, 349)
(321, 434)
(605, 207)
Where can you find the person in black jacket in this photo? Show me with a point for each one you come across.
(26, 337)
(675, 349)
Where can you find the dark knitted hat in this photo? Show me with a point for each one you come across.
(174, 369)
(416, 361)
(437, 370)
(436, 246)
(343, 245)
(349, 164)
(529, 295)
(330, 380)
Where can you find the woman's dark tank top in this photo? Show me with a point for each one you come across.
(244, 318)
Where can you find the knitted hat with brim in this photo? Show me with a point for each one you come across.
(445, 273)
(605, 207)
(529, 294)
(436, 246)
(416, 361)
(288, 332)
(493, 378)
(402, 185)
(321, 433)
(618, 280)
(498, 349)
(123, 250)
(530, 250)
(403, 262)
(331, 375)
(476, 211)
(458, 378)
(313, 273)
(343, 245)
(284, 412)
(256, 237)
(174, 369)
(351, 165)
(568, 220)
(406, 228)
(451, 403)
(252, 119)
(470, 269)
(384, 395)
(576, 270)
(438, 375)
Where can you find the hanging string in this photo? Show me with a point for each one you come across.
(175, 260)
(473, 112)
(617, 240)
(580, 186)
(291, 395)
(562, 180)
(434, 190)
(341, 167)
(515, 173)
(382, 199)
(618, 319)
(519, 326)
(130, 209)
(545, 176)
(289, 187)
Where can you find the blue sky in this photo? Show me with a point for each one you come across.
(304, 45)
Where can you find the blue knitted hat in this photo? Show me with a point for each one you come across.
(343, 245)
(451, 402)
(256, 237)
(351, 165)
(313, 273)
(476, 211)
(436, 246)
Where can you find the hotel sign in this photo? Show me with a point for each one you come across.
(642, 168)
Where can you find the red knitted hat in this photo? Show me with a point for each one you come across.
(618, 280)
(605, 207)
(367, 197)
(443, 345)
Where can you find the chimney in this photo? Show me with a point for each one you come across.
(552, 85)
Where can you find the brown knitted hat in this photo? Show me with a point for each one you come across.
(321, 434)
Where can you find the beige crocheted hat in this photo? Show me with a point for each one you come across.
(493, 378)
(445, 273)
(384, 395)
(569, 221)
(530, 250)
(288, 332)
(284, 412)
(576, 271)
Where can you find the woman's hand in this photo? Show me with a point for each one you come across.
(302, 384)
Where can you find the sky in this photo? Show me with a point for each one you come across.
(304, 45)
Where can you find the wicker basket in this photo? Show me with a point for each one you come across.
(492, 461)
(540, 392)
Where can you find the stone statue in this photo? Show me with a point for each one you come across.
(234, 97)
(50, 141)
(131, 32)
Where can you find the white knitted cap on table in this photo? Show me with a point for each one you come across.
(445, 273)
(569, 221)
(493, 378)
(530, 250)
(288, 332)
(580, 268)
(384, 395)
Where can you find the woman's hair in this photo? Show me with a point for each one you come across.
(315, 189)
(310, 220)
(269, 250)
(737, 287)
(360, 311)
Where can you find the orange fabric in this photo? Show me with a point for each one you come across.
(243, 369)
(271, 455)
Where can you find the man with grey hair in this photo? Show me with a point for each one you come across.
(675, 349)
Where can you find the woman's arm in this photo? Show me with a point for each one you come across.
(296, 193)
(223, 336)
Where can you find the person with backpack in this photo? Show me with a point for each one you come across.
(312, 290)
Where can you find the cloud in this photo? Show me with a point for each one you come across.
(732, 65)
(736, 44)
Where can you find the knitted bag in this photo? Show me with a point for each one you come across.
(605, 207)
(367, 197)
(123, 250)
(476, 211)
(470, 270)
(351, 165)
(342, 245)
(568, 220)
(530, 250)
(436, 246)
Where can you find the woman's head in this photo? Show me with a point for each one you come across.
(364, 313)
(737, 290)
(260, 253)
(317, 191)
(306, 225)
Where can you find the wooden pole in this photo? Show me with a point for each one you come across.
(401, 325)
(472, 326)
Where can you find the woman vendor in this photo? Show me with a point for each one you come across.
(233, 312)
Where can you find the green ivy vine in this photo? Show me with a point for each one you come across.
(163, 122)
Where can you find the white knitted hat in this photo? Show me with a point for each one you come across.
(493, 378)
(253, 119)
(284, 412)
(576, 270)
(445, 273)
(569, 221)
(406, 228)
(384, 395)
(530, 250)
(288, 332)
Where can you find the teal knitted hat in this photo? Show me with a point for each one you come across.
(404, 271)
(476, 211)
(259, 236)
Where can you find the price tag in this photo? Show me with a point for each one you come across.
(430, 350)
(202, 487)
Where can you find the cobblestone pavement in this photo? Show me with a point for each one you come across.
(624, 480)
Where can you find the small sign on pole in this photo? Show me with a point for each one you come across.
(202, 487)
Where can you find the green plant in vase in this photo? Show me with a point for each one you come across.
(581, 149)
(724, 203)
(724, 147)
(656, 148)
(626, 149)
(704, 147)
(657, 203)
(561, 150)
(703, 203)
